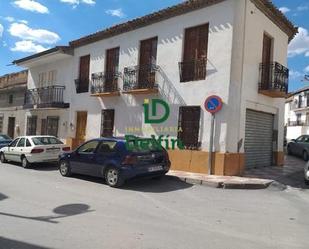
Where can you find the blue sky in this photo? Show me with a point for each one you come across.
(29, 26)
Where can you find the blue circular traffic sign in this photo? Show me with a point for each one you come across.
(213, 104)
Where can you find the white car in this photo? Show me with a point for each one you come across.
(33, 149)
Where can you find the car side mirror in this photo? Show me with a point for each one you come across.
(294, 140)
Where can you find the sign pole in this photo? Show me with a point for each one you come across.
(211, 142)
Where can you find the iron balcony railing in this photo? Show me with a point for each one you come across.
(298, 123)
(104, 82)
(82, 86)
(45, 97)
(140, 77)
(273, 76)
(192, 70)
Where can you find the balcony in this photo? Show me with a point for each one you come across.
(273, 80)
(105, 84)
(82, 86)
(140, 79)
(192, 70)
(298, 123)
(45, 97)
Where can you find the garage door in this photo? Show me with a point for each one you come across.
(258, 139)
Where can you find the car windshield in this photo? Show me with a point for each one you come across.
(4, 138)
(45, 140)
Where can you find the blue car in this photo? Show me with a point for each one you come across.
(4, 140)
(115, 161)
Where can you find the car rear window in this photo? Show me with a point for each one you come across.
(4, 138)
(45, 140)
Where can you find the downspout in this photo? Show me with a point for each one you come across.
(240, 140)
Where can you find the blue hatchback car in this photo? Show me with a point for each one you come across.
(113, 160)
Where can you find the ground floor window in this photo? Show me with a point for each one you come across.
(107, 123)
(31, 125)
(189, 126)
(49, 126)
(1, 123)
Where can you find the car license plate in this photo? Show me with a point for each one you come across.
(155, 168)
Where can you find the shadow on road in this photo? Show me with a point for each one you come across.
(61, 212)
(15, 244)
(37, 166)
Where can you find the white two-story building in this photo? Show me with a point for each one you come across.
(237, 49)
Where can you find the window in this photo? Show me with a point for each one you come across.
(82, 83)
(42, 79)
(111, 70)
(107, 147)
(189, 126)
(89, 147)
(11, 99)
(307, 118)
(31, 125)
(13, 144)
(300, 101)
(45, 140)
(43, 126)
(266, 61)
(193, 66)
(51, 79)
(298, 119)
(28, 144)
(107, 123)
(21, 143)
(52, 126)
(1, 124)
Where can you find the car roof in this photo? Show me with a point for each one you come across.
(35, 136)
(116, 139)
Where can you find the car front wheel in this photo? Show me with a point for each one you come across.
(2, 158)
(113, 177)
(64, 168)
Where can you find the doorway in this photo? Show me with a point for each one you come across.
(81, 125)
(11, 127)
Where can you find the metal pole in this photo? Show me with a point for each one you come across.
(211, 143)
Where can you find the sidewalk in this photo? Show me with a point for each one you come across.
(228, 182)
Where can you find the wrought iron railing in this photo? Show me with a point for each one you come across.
(192, 70)
(82, 86)
(44, 95)
(274, 76)
(298, 123)
(140, 77)
(104, 82)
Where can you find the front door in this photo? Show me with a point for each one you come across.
(11, 127)
(81, 125)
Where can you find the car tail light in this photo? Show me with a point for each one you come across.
(130, 160)
(66, 148)
(166, 155)
(34, 151)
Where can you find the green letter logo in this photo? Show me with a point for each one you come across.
(154, 103)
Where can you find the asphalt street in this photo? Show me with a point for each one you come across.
(41, 209)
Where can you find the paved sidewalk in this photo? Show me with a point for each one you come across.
(291, 174)
(232, 182)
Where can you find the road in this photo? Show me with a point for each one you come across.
(41, 209)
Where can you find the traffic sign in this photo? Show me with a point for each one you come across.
(213, 104)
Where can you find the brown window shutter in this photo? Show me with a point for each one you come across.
(266, 60)
(147, 58)
(107, 123)
(84, 70)
(189, 126)
(111, 69)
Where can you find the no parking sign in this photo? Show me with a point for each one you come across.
(213, 104)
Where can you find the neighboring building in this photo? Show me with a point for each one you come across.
(12, 92)
(297, 114)
(237, 49)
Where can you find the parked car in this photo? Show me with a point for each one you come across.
(33, 149)
(110, 159)
(306, 171)
(4, 140)
(299, 147)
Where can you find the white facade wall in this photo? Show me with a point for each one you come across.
(234, 54)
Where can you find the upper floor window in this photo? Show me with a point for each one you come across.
(111, 68)
(11, 97)
(47, 78)
(193, 65)
(82, 83)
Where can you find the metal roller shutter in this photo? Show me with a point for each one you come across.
(258, 139)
